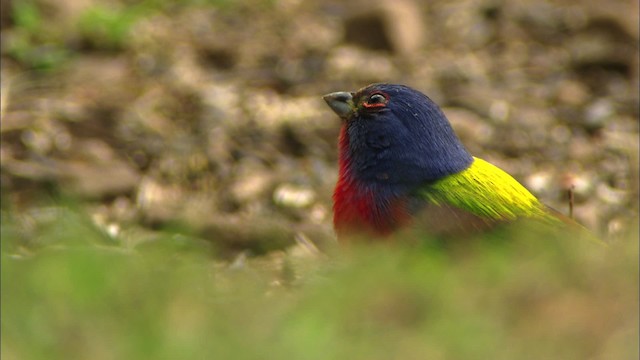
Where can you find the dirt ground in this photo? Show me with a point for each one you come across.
(207, 117)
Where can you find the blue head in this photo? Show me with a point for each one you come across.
(396, 135)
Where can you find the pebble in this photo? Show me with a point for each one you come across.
(539, 181)
(289, 195)
(610, 195)
(598, 113)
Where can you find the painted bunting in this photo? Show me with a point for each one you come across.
(401, 164)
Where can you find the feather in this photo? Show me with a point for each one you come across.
(401, 166)
(485, 191)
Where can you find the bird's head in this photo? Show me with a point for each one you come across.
(394, 134)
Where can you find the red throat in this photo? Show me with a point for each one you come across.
(356, 208)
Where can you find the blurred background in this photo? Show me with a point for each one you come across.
(199, 125)
(209, 113)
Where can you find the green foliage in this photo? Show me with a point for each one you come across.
(32, 43)
(79, 296)
(42, 42)
(27, 16)
(107, 27)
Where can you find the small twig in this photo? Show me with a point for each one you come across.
(571, 199)
(303, 240)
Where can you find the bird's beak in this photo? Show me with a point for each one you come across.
(341, 103)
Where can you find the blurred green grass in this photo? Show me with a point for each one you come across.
(45, 42)
(79, 294)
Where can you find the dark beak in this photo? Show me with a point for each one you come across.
(341, 103)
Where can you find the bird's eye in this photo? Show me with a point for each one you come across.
(376, 100)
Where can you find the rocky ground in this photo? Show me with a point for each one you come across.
(207, 119)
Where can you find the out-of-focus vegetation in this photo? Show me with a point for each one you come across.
(526, 298)
(45, 43)
(167, 168)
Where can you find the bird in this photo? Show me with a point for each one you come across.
(401, 165)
